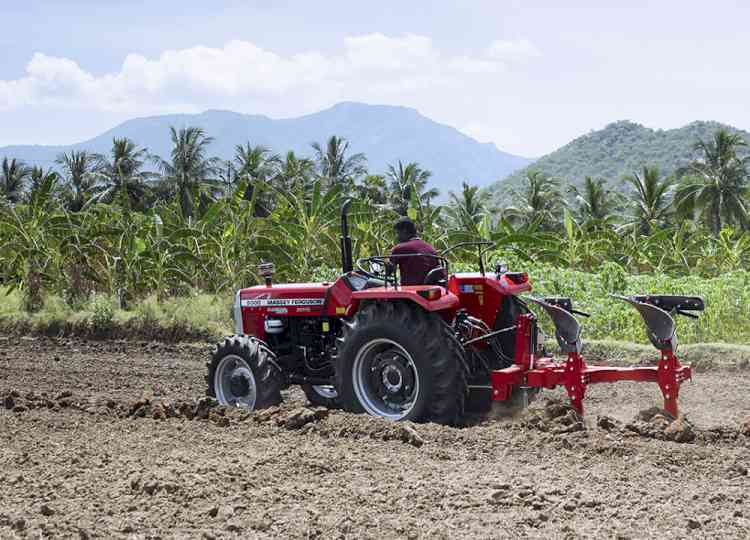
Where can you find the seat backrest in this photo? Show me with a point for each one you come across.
(436, 276)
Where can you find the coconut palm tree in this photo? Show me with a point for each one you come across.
(295, 172)
(254, 166)
(467, 210)
(44, 187)
(335, 166)
(408, 187)
(253, 163)
(595, 205)
(373, 188)
(538, 204)
(190, 172)
(79, 170)
(714, 185)
(13, 180)
(651, 202)
(121, 176)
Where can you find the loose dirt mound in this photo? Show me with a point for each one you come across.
(202, 409)
(317, 420)
(351, 426)
(553, 416)
(18, 403)
(657, 423)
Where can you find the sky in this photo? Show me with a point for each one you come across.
(526, 75)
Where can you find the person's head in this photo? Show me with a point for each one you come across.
(405, 229)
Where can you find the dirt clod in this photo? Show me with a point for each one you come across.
(301, 416)
(409, 435)
(202, 408)
(553, 416)
(9, 402)
(608, 423)
(680, 430)
(655, 423)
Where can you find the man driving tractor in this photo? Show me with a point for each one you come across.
(413, 270)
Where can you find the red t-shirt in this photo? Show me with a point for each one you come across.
(414, 269)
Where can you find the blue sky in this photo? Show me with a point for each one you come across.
(528, 76)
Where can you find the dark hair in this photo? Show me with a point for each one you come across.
(407, 225)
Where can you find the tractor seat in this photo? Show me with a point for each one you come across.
(436, 276)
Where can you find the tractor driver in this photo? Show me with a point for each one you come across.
(413, 270)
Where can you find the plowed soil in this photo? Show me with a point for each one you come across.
(112, 440)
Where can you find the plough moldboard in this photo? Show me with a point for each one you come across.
(657, 312)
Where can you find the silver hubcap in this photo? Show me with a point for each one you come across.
(234, 383)
(385, 379)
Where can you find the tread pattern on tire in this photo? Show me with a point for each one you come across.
(268, 377)
(441, 353)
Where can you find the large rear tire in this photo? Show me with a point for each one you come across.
(397, 361)
(243, 373)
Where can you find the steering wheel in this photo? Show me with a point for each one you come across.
(377, 269)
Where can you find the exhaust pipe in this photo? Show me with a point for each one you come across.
(347, 265)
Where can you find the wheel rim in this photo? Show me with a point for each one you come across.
(326, 391)
(234, 383)
(385, 379)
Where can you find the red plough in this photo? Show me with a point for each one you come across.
(575, 374)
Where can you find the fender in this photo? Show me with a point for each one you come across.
(447, 301)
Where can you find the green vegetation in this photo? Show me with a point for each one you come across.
(726, 319)
(616, 151)
(194, 316)
(105, 242)
(727, 297)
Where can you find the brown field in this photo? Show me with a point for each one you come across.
(104, 439)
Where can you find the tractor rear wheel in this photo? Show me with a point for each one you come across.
(397, 361)
(243, 373)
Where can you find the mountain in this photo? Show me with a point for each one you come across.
(383, 133)
(619, 149)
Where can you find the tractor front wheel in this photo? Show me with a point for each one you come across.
(243, 373)
(396, 361)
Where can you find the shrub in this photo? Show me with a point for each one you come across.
(102, 312)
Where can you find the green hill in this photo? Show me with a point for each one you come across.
(618, 150)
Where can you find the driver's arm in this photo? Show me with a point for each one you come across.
(391, 264)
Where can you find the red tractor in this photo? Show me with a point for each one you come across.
(429, 352)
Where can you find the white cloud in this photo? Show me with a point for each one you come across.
(372, 66)
(512, 51)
